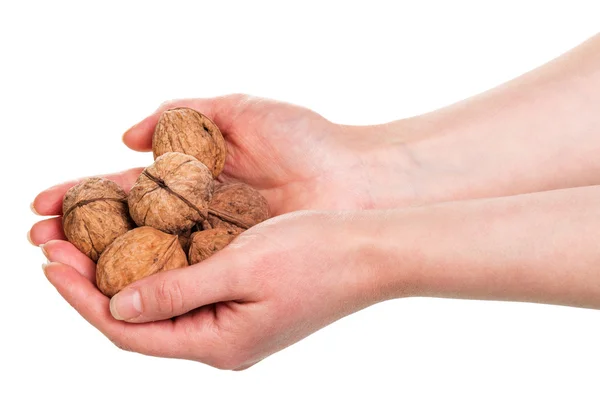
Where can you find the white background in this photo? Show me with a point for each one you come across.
(75, 75)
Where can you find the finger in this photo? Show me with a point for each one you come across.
(46, 230)
(156, 339)
(218, 109)
(65, 253)
(49, 202)
(176, 292)
(139, 136)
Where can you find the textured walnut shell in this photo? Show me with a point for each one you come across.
(237, 206)
(137, 254)
(208, 242)
(94, 214)
(172, 194)
(190, 132)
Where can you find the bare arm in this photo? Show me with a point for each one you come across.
(538, 132)
(542, 247)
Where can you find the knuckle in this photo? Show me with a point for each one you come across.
(168, 296)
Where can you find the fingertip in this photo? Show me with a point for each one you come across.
(64, 252)
(52, 270)
(29, 238)
(126, 179)
(44, 251)
(45, 231)
(32, 208)
(139, 136)
(38, 207)
(49, 202)
(126, 306)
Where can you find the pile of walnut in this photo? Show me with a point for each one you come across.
(184, 214)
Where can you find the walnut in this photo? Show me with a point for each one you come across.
(207, 242)
(94, 214)
(188, 131)
(172, 194)
(137, 254)
(236, 206)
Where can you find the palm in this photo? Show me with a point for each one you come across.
(283, 150)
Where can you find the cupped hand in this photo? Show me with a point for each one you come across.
(297, 159)
(272, 286)
(278, 281)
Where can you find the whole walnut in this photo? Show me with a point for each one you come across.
(236, 206)
(172, 194)
(190, 132)
(207, 242)
(137, 254)
(94, 215)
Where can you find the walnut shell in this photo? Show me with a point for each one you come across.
(172, 194)
(187, 131)
(137, 254)
(94, 214)
(207, 242)
(237, 206)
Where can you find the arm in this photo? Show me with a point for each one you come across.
(290, 276)
(542, 248)
(538, 132)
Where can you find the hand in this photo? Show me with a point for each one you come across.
(296, 158)
(272, 286)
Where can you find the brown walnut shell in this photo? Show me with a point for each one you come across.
(187, 131)
(236, 206)
(137, 254)
(207, 242)
(172, 194)
(94, 214)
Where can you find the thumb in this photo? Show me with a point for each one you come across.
(139, 136)
(176, 292)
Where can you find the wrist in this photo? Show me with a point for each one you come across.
(406, 164)
(388, 174)
(381, 242)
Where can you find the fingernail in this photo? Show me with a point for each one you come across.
(32, 207)
(29, 238)
(44, 266)
(44, 251)
(126, 305)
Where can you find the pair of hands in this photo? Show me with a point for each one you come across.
(277, 282)
(291, 275)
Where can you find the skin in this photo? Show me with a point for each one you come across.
(432, 227)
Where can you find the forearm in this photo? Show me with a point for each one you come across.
(538, 132)
(542, 247)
